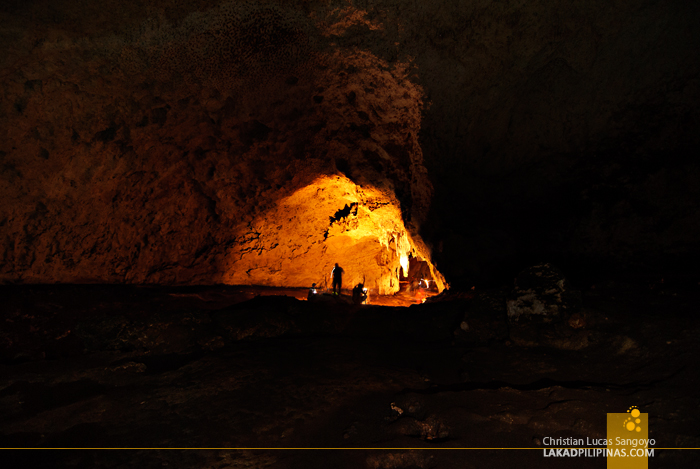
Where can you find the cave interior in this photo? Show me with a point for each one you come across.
(516, 184)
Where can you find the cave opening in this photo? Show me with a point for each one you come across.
(297, 242)
(416, 282)
(418, 275)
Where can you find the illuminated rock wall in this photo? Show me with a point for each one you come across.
(298, 241)
(141, 142)
(189, 149)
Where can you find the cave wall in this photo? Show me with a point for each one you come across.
(139, 142)
(573, 138)
(150, 152)
(297, 243)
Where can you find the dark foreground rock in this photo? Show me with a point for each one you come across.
(279, 373)
(543, 309)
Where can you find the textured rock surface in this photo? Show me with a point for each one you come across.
(140, 142)
(174, 150)
(543, 309)
(541, 292)
(294, 243)
(374, 386)
(562, 132)
(48, 321)
(485, 318)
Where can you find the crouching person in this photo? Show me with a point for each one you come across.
(312, 292)
(359, 294)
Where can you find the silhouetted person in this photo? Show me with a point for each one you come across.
(312, 292)
(337, 274)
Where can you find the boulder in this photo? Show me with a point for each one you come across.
(543, 311)
(541, 294)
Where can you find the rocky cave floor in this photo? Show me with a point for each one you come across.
(198, 367)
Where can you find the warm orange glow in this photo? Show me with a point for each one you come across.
(297, 242)
(403, 260)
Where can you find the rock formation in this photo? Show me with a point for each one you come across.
(544, 310)
(147, 143)
(217, 147)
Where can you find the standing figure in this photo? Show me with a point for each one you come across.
(337, 274)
